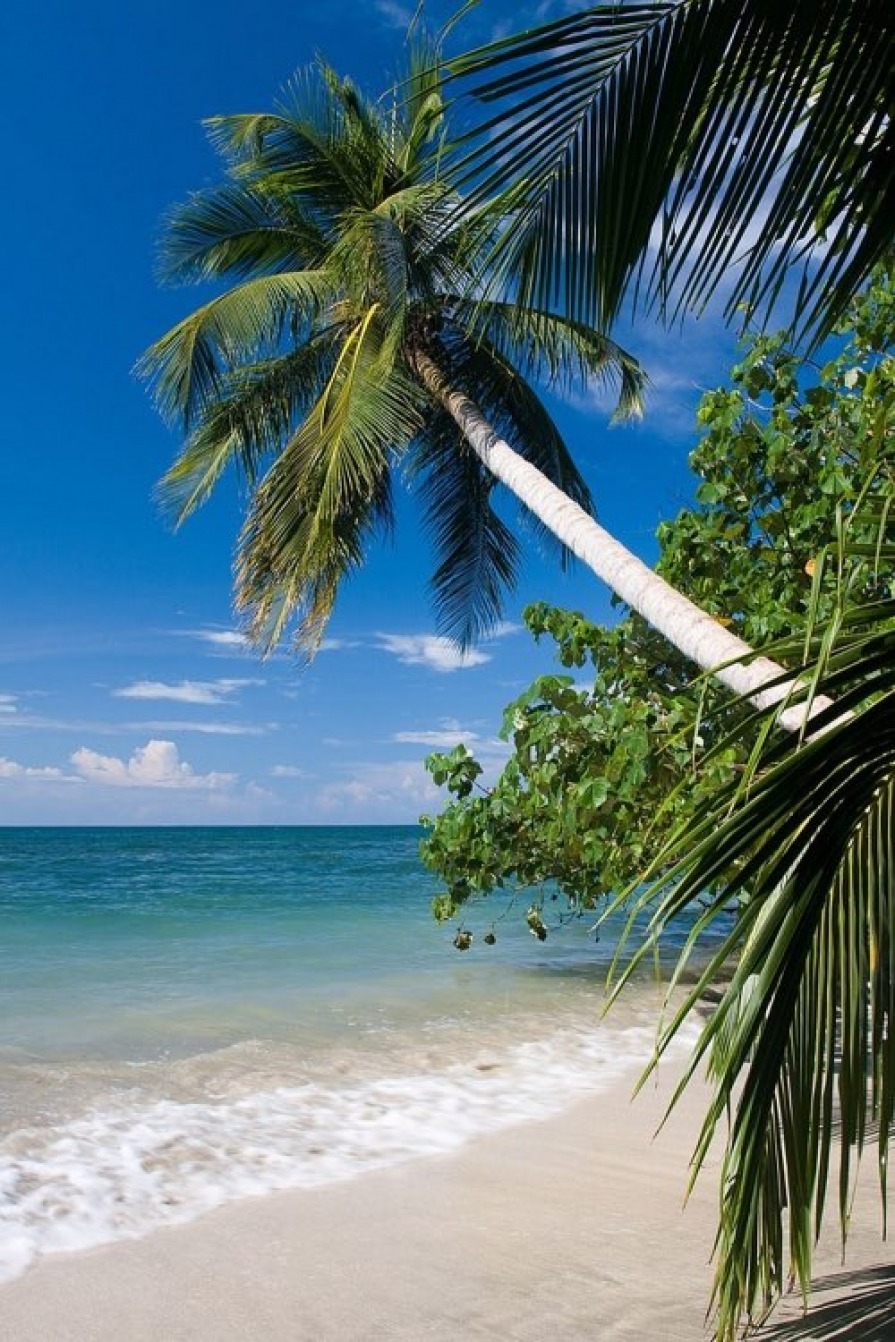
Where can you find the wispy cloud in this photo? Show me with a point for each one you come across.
(380, 790)
(438, 740)
(223, 640)
(439, 653)
(288, 771)
(8, 703)
(337, 644)
(395, 14)
(155, 765)
(185, 691)
(431, 650)
(9, 769)
(204, 728)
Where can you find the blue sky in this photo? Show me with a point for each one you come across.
(126, 693)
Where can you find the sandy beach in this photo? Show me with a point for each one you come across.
(567, 1229)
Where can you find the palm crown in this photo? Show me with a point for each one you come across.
(349, 264)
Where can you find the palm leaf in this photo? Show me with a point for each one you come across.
(234, 230)
(325, 496)
(186, 369)
(555, 349)
(802, 850)
(260, 409)
(478, 554)
(712, 130)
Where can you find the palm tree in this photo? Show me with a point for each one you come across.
(665, 144)
(357, 337)
(315, 372)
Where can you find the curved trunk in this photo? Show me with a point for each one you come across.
(693, 632)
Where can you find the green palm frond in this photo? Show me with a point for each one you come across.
(187, 368)
(326, 495)
(551, 347)
(478, 554)
(326, 141)
(701, 134)
(260, 409)
(420, 104)
(234, 230)
(467, 612)
(794, 866)
(515, 409)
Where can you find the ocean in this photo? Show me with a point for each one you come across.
(193, 1016)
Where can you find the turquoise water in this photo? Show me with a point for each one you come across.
(189, 1016)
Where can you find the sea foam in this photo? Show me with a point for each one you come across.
(133, 1165)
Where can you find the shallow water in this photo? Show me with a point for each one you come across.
(189, 1016)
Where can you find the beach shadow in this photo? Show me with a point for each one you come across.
(863, 1311)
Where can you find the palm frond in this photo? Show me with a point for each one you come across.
(186, 368)
(325, 496)
(324, 141)
(479, 555)
(420, 104)
(801, 851)
(515, 410)
(716, 131)
(259, 410)
(234, 230)
(551, 347)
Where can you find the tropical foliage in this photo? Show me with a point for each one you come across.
(349, 273)
(800, 1047)
(785, 451)
(669, 144)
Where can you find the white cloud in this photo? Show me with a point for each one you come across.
(186, 691)
(288, 771)
(398, 791)
(220, 642)
(431, 650)
(205, 728)
(337, 644)
(155, 765)
(221, 638)
(442, 740)
(10, 769)
(439, 653)
(8, 703)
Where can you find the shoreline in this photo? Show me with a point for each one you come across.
(569, 1228)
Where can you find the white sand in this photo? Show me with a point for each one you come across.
(566, 1230)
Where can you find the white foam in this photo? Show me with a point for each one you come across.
(122, 1171)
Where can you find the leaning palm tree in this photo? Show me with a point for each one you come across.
(357, 337)
(333, 357)
(671, 144)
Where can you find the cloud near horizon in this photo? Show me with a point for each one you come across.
(377, 791)
(9, 769)
(155, 765)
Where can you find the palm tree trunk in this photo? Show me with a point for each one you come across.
(693, 632)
